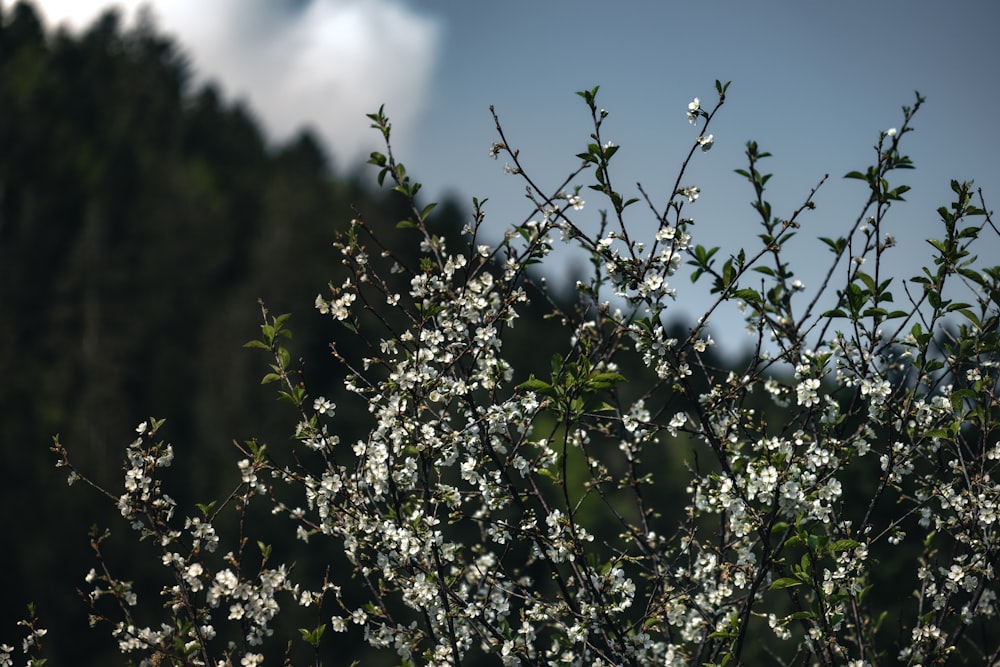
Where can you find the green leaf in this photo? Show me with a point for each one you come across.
(545, 472)
(313, 637)
(427, 209)
(867, 280)
(607, 378)
(256, 449)
(206, 509)
(536, 385)
(844, 545)
(785, 582)
(748, 295)
(896, 195)
(959, 396)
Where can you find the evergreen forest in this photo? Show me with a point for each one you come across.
(141, 219)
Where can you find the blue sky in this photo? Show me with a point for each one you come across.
(812, 82)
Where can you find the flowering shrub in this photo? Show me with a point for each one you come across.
(840, 505)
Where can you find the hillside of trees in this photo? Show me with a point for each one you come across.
(141, 219)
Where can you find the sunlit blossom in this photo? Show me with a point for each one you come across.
(690, 192)
(694, 110)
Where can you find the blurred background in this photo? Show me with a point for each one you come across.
(163, 167)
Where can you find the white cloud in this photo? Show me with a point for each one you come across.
(325, 63)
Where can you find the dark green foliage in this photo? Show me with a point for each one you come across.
(140, 221)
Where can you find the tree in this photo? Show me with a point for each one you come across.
(496, 512)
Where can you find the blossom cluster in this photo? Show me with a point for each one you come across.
(490, 514)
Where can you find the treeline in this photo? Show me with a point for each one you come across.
(141, 219)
